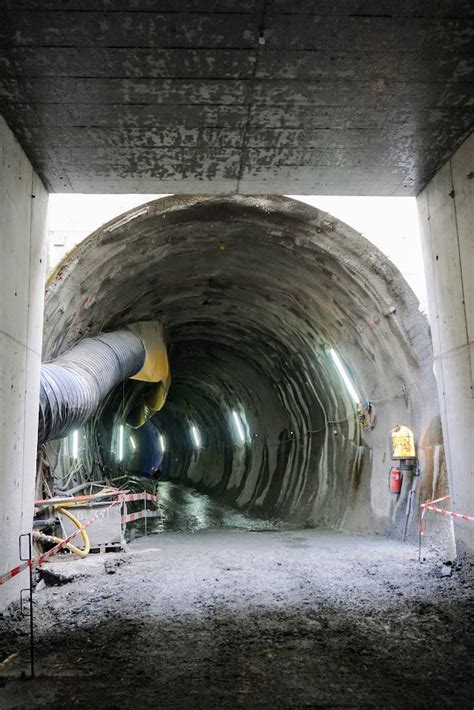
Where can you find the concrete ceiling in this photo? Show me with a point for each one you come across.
(308, 97)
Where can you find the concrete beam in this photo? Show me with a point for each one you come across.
(23, 203)
(360, 97)
(446, 209)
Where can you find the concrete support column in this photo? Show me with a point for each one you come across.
(446, 211)
(23, 203)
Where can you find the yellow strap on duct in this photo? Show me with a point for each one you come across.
(152, 403)
(157, 397)
(156, 366)
(155, 369)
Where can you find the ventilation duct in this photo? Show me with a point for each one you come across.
(73, 386)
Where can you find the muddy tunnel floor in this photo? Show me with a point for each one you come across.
(231, 618)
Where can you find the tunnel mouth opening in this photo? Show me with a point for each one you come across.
(280, 321)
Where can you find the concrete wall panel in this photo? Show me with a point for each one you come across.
(463, 184)
(446, 211)
(23, 202)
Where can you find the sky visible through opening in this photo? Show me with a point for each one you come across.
(391, 223)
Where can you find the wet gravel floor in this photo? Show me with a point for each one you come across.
(264, 619)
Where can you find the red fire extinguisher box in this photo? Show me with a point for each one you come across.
(395, 478)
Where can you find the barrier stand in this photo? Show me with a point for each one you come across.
(31, 564)
(121, 498)
(145, 513)
(419, 536)
(28, 559)
(146, 517)
(430, 505)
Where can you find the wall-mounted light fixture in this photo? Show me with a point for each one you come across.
(162, 443)
(239, 427)
(343, 372)
(75, 444)
(196, 436)
(120, 443)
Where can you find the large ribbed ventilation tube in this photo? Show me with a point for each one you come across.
(254, 293)
(73, 386)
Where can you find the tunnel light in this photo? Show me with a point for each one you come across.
(342, 371)
(239, 427)
(120, 443)
(75, 444)
(133, 443)
(162, 443)
(196, 436)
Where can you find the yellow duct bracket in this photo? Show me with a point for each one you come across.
(152, 403)
(155, 369)
(156, 366)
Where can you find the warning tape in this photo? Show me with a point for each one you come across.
(131, 497)
(130, 517)
(430, 506)
(13, 572)
(438, 500)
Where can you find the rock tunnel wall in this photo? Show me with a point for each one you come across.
(253, 292)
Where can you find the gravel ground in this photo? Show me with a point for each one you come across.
(232, 618)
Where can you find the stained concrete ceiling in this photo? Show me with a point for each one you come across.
(204, 96)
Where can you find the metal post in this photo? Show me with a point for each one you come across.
(146, 519)
(30, 567)
(419, 534)
(411, 498)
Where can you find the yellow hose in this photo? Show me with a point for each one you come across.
(76, 550)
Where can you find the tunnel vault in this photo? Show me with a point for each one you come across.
(253, 294)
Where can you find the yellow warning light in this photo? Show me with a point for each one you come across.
(402, 443)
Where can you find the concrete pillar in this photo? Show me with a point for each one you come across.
(23, 204)
(446, 211)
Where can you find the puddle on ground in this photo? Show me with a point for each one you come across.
(184, 509)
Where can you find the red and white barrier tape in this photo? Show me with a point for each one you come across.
(438, 500)
(131, 497)
(13, 572)
(430, 506)
(130, 517)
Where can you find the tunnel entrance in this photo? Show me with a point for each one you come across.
(294, 345)
(296, 350)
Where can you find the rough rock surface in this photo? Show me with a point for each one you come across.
(254, 294)
(232, 618)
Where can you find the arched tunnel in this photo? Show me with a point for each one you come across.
(279, 321)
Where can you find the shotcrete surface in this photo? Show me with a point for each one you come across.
(253, 294)
(237, 618)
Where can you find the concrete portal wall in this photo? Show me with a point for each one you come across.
(23, 204)
(446, 210)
